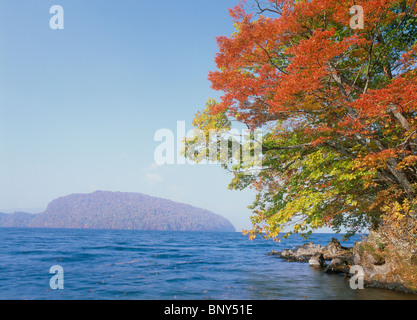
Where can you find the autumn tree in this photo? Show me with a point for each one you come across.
(337, 106)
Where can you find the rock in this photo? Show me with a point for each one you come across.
(286, 254)
(337, 265)
(306, 251)
(334, 246)
(273, 253)
(375, 259)
(366, 253)
(335, 250)
(309, 249)
(317, 261)
(302, 253)
(387, 261)
(291, 255)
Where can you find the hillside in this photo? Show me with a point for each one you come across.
(17, 219)
(117, 210)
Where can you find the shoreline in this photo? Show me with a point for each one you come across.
(377, 271)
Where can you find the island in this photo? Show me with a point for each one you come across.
(119, 210)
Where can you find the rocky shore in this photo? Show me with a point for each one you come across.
(340, 258)
(384, 266)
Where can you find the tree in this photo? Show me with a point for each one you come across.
(338, 108)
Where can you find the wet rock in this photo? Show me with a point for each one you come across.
(387, 261)
(292, 255)
(302, 253)
(335, 250)
(338, 265)
(309, 249)
(317, 260)
(273, 253)
(306, 251)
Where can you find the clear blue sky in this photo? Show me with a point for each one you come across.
(79, 107)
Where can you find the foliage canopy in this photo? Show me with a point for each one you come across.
(338, 108)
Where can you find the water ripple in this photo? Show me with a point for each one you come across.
(111, 264)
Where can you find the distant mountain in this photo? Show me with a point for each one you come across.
(17, 219)
(117, 210)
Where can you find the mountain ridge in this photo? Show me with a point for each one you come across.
(119, 210)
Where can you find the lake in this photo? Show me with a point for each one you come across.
(158, 265)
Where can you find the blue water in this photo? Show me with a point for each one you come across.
(109, 264)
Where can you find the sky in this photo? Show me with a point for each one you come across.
(79, 106)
